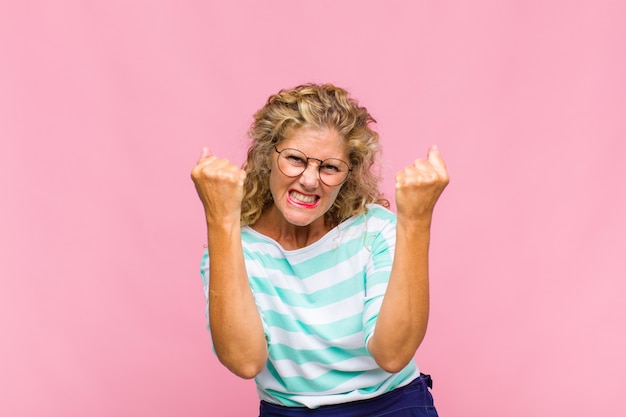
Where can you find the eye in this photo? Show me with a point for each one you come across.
(329, 168)
(295, 160)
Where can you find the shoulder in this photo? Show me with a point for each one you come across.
(379, 218)
(376, 211)
(374, 217)
(377, 222)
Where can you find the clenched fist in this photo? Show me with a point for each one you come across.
(419, 186)
(220, 187)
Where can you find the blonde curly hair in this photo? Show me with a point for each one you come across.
(316, 106)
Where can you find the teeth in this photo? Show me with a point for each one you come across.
(306, 199)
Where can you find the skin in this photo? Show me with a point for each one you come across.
(236, 327)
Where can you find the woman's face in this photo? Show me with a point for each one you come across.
(303, 200)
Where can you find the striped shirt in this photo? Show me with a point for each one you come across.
(319, 306)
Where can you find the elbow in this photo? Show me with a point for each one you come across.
(246, 367)
(392, 359)
(245, 370)
(245, 361)
(393, 365)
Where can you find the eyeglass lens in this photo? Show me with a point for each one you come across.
(293, 162)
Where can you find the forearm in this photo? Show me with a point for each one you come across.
(236, 327)
(403, 317)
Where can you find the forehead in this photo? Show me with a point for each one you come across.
(323, 142)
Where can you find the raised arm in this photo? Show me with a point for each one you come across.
(403, 317)
(236, 327)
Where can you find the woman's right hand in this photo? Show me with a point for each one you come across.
(236, 327)
(220, 187)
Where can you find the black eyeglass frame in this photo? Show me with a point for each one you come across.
(319, 166)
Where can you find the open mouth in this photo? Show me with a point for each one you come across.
(303, 200)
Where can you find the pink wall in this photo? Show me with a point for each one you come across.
(104, 107)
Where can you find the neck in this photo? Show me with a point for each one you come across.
(273, 225)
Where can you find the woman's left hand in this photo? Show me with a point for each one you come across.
(403, 316)
(419, 186)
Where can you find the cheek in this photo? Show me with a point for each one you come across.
(333, 196)
(272, 182)
(275, 181)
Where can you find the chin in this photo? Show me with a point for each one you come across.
(302, 219)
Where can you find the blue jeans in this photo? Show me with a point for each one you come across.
(412, 400)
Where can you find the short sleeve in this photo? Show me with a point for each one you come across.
(377, 272)
(204, 273)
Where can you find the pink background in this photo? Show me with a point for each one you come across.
(105, 105)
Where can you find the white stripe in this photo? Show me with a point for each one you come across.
(377, 290)
(313, 316)
(300, 341)
(287, 368)
(329, 277)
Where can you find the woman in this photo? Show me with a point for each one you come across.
(316, 289)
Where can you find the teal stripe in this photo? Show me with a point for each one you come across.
(272, 370)
(328, 331)
(313, 266)
(250, 237)
(323, 297)
(326, 356)
(380, 277)
(382, 252)
(346, 250)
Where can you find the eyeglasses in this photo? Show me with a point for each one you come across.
(332, 171)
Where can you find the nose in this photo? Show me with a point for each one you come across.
(309, 179)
